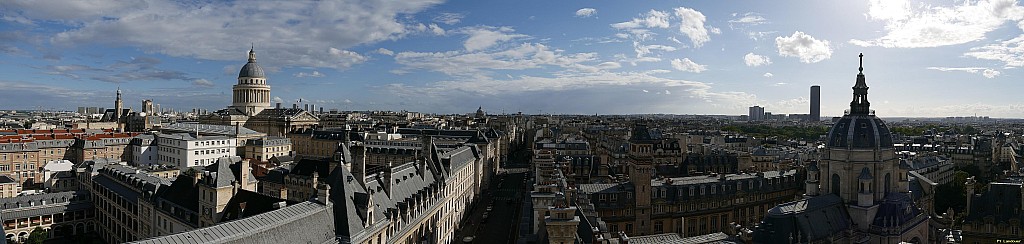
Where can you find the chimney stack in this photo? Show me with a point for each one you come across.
(386, 176)
(278, 106)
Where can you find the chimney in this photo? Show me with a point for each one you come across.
(323, 193)
(386, 176)
(280, 205)
(196, 176)
(278, 106)
(238, 128)
(243, 177)
(295, 106)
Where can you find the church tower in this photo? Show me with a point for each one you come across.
(118, 106)
(641, 160)
(252, 94)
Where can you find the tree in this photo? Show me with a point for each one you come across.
(37, 236)
(952, 194)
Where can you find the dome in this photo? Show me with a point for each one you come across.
(859, 132)
(859, 128)
(251, 69)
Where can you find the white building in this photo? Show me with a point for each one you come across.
(144, 149)
(184, 150)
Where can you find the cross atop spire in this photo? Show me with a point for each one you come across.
(861, 69)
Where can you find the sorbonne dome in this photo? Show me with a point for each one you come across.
(857, 193)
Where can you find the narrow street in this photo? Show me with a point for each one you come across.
(494, 217)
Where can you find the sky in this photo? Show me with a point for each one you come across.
(921, 58)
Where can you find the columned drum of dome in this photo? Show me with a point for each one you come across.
(252, 94)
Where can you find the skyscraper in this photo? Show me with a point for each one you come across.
(815, 115)
(756, 113)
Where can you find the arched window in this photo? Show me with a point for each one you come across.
(835, 184)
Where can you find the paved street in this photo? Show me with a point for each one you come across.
(505, 200)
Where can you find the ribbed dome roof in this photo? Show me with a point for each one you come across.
(859, 128)
(859, 132)
(251, 69)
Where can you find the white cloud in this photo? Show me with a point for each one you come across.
(692, 24)
(385, 51)
(768, 75)
(988, 73)
(278, 100)
(652, 19)
(609, 65)
(521, 57)
(755, 60)
(449, 18)
(314, 74)
(780, 84)
(341, 58)
(689, 66)
(925, 25)
(803, 46)
(437, 30)
(202, 83)
(643, 50)
(483, 37)
(585, 12)
(211, 29)
(667, 92)
(645, 91)
(750, 18)
(1010, 52)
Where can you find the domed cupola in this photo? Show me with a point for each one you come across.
(251, 69)
(251, 94)
(859, 128)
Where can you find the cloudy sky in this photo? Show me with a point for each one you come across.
(932, 58)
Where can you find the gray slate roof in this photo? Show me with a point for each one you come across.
(305, 222)
(209, 129)
(810, 219)
(44, 204)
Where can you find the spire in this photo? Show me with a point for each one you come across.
(860, 104)
(252, 54)
(118, 92)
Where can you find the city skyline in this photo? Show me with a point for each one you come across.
(535, 57)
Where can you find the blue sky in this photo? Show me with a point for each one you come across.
(931, 58)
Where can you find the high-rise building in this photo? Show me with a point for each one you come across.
(815, 115)
(756, 113)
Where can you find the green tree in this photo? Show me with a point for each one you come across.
(37, 236)
(952, 194)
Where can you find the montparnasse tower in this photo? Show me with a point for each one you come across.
(252, 94)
